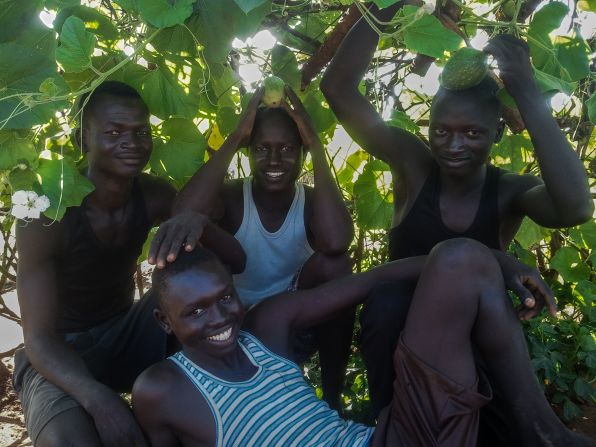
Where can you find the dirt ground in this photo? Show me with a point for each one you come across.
(13, 433)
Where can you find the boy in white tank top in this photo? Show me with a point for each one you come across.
(294, 236)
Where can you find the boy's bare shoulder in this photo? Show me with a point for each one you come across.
(159, 196)
(157, 382)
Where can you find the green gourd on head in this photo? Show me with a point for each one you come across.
(466, 68)
(274, 91)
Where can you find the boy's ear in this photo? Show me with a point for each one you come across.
(162, 320)
(500, 130)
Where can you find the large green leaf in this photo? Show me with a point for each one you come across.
(550, 84)
(319, 111)
(512, 151)
(16, 16)
(384, 3)
(227, 120)
(249, 5)
(529, 233)
(425, 34)
(548, 19)
(373, 210)
(285, 66)
(179, 39)
(63, 185)
(572, 55)
(95, 22)
(221, 21)
(15, 149)
(567, 261)
(161, 91)
(403, 121)
(27, 69)
(182, 153)
(165, 13)
(76, 46)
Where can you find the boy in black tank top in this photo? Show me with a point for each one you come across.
(85, 340)
(446, 187)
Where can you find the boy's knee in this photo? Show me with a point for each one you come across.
(321, 268)
(466, 256)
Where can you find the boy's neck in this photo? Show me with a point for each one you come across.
(110, 192)
(461, 185)
(273, 201)
(233, 367)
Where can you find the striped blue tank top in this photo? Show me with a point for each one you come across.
(275, 408)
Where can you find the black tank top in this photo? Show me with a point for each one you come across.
(423, 226)
(95, 280)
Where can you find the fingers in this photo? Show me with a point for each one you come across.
(170, 246)
(156, 244)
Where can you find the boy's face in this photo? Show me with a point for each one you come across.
(462, 131)
(202, 309)
(275, 154)
(117, 135)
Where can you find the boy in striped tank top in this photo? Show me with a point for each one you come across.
(234, 383)
(294, 235)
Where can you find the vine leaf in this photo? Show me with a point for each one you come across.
(373, 208)
(27, 70)
(568, 262)
(165, 13)
(95, 22)
(403, 121)
(182, 152)
(249, 5)
(425, 34)
(221, 21)
(384, 3)
(15, 149)
(76, 46)
(62, 183)
(161, 91)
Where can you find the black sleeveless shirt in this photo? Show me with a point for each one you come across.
(423, 227)
(95, 279)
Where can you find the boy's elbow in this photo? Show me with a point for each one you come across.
(329, 87)
(584, 213)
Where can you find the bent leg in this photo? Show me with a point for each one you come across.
(54, 418)
(437, 392)
(382, 319)
(334, 337)
(73, 427)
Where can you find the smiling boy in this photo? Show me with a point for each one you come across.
(241, 388)
(447, 189)
(294, 236)
(85, 340)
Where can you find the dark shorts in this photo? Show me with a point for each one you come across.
(428, 408)
(115, 352)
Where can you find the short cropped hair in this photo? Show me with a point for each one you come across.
(265, 113)
(108, 88)
(185, 260)
(486, 91)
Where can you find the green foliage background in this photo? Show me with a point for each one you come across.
(179, 55)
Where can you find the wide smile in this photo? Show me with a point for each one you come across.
(274, 175)
(221, 337)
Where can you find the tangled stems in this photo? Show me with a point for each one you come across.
(29, 101)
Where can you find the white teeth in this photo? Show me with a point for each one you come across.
(222, 336)
(274, 174)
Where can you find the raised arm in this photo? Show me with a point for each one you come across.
(360, 119)
(562, 198)
(274, 319)
(330, 224)
(201, 193)
(46, 349)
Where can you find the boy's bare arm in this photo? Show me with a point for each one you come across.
(159, 399)
(46, 349)
(330, 223)
(562, 198)
(202, 191)
(397, 147)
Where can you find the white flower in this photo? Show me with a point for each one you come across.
(28, 205)
(429, 7)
